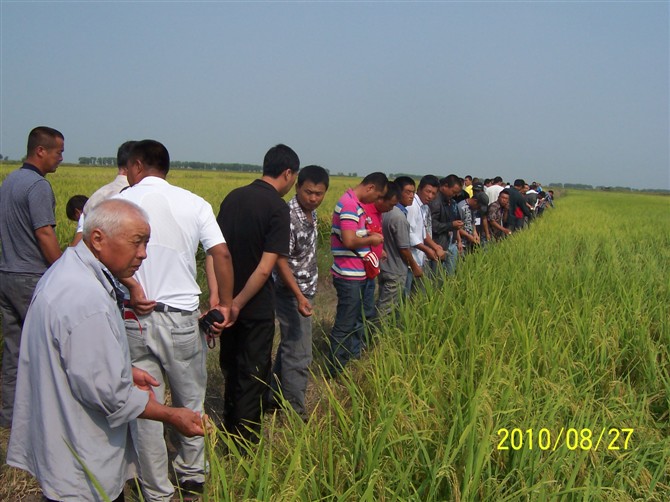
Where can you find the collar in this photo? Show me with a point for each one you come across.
(31, 167)
(295, 206)
(96, 266)
(402, 208)
(264, 184)
(151, 181)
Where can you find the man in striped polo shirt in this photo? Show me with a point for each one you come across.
(349, 241)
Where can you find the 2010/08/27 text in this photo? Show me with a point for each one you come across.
(574, 439)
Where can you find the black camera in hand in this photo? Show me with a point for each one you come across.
(209, 319)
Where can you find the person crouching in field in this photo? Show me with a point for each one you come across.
(349, 241)
(497, 215)
(296, 277)
(76, 390)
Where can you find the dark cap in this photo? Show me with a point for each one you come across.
(478, 187)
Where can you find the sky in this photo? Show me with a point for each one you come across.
(571, 92)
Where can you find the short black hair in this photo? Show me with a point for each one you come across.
(505, 191)
(429, 179)
(152, 153)
(403, 181)
(519, 182)
(378, 179)
(75, 202)
(42, 136)
(497, 179)
(392, 190)
(278, 159)
(314, 174)
(451, 181)
(122, 154)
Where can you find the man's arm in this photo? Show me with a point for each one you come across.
(220, 278)
(138, 298)
(187, 422)
(353, 241)
(286, 274)
(407, 257)
(48, 243)
(439, 251)
(256, 281)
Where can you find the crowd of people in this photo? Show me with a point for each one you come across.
(94, 335)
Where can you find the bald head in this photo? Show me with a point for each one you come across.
(117, 232)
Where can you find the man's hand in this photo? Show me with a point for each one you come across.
(304, 307)
(375, 239)
(457, 224)
(227, 313)
(430, 254)
(417, 271)
(139, 302)
(145, 381)
(440, 252)
(188, 422)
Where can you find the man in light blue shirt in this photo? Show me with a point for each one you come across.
(75, 395)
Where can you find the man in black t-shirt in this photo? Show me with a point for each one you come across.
(255, 223)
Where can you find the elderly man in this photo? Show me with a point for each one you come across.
(29, 245)
(75, 395)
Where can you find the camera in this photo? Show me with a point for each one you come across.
(210, 318)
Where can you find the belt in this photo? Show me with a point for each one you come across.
(161, 307)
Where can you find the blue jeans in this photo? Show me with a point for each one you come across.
(294, 355)
(451, 259)
(346, 337)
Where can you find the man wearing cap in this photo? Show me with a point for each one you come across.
(481, 222)
(165, 339)
(29, 246)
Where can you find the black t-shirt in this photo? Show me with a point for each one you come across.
(254, 219)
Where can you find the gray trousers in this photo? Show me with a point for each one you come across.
(290, 372)
(16, 292)
(169, 345)
(391, 291)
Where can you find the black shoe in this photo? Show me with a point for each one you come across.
(191, 490)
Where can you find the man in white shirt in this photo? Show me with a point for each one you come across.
(165, 338)
(109, 190)
(493, 191)
(420, 228)
(75, 392)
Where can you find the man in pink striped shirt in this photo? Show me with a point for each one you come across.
(349, 241)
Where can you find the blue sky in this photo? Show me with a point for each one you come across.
(550, 91)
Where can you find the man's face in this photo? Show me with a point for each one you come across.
(385, 205)
(455, 190)
(407, 195)
(52, 156)
(372, 193)
(427, 193)
(124, 252)
(503, 200)
(310, 195)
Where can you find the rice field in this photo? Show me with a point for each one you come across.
(541, 371)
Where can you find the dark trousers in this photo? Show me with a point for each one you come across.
(245, 359)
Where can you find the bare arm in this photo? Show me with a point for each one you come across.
(353, 241)
(304, 307)
(407, 257)
(188, 422)
(255, 281)
(138, 298)
(48, 243)
(220, 279)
